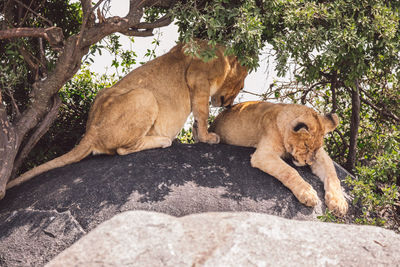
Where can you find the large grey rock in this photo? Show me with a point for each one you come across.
(139, 238)
(180, 180)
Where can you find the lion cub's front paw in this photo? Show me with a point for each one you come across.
(165, 142)
(212, 138)
(336, 203)
(308, 196)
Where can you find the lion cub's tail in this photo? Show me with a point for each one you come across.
(83, 149)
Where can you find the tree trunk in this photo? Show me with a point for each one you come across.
(8, 151)
(354, 125)
(13, 133)
(40, 130)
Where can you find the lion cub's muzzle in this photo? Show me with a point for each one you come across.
(298, 163)
(301, 163)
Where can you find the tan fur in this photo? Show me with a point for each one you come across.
(285, 130)
(148, 107)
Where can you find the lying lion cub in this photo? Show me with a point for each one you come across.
(148, 107)
(281, 131)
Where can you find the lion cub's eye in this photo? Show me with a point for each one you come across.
(307, 147)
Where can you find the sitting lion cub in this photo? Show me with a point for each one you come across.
(280, 131)
(148, 107)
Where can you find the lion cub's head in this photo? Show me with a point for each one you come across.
(305, 135)
(224, 94)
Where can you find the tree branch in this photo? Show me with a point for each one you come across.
(53, 35)
(43, 90)
(88, 17)
(154, 3)
(135, 32)
(162, 22)
(148, 27)
(382, 111)
(135, 5)
(129, 25)
(379, 110)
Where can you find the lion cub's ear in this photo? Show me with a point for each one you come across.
(301, 130)
(330, 122)
(300, 127)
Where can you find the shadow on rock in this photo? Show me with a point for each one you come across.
(149, 177)
(179, 180)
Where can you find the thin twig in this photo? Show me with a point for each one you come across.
(334, 97)
(96, 6)
(29, 59)
(310, 89)
(37, 14)
(26, 14)
(344, 143)
(337, 144)
(14, 103)
(251, 93)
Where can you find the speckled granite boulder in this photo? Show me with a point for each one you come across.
(139, 238)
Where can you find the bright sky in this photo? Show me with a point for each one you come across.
(256, 82)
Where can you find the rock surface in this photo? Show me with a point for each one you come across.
(47, 214)
(140, 238)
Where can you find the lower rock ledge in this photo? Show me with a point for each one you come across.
(27, 234)
(140, 238)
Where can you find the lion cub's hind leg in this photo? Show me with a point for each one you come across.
(127, 122)
(146, 142)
